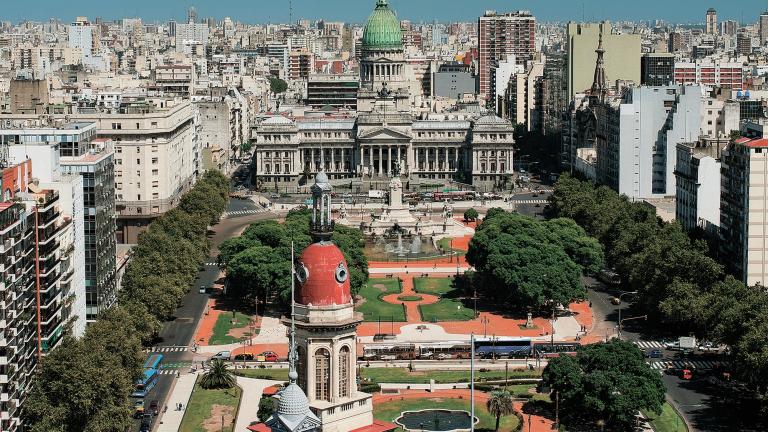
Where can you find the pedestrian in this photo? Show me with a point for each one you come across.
(178, 374)
(590, 303)
(165, 408)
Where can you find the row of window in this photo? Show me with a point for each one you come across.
(155, 161)
(119, 149)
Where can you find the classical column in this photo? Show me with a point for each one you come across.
(333, 160)
(361, 164)
(390, 166)
(342, 160)
(381, 154)
(456, 159)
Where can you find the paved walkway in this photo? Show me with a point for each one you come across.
(411, 307)
(170, 421)
(249, 402)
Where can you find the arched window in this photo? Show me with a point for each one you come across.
(344, 378)
(323, 375)
(287, 168)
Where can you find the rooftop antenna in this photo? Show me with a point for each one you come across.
(290, 13)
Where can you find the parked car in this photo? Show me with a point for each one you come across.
(615, 300)
(655, 354)
(202, 289)
(444, 356)
(269, 356)
(222, 355)
(138, 408)
(686, 374)
(146, 423)
(274, 196)
(154, 407)
(244, 356)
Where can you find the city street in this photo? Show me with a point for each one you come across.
(175, 337)
(699, 400)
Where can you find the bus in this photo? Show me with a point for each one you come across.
(444, 350)
(403, 351)
(503, 347)
(149, 376)
(550, 350)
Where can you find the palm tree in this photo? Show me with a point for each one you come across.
(500, 404)
(218, 377)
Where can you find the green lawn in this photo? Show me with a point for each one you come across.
(434, 286)
(668, 421)
(445, 244)
(447, 309)
(224, 325)
(403, 375)
(201, 409)
(373, 308)
(270, 374)
(390, 411)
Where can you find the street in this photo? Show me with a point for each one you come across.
(175, 338)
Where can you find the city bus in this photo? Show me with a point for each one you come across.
(550, 350)
(149, 375)
(503, 347)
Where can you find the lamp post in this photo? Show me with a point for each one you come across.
(645, 317)
(621, 307)
(484, 320)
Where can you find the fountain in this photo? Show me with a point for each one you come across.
(435, 420)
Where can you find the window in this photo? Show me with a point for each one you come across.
(154, 161)
(119, 149)
(154, 149)
(118, 161)
(301, 368)
(344, 390)
(118, 173)
(155, 195)
(138, 149)
(323, 375)
(155, 183)
(118, 185)
(155, 172)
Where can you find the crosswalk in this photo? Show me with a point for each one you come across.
(164, 349)
(649, 344)
(244, 212)
(530, 202)
(679, 364)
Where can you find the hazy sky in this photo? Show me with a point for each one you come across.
(253, 11)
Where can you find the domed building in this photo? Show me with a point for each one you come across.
(384, 138)
(382, 62)
(323, 394)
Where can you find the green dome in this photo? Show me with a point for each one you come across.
(382, 30)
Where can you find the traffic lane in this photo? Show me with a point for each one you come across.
(180, 331)
(530, 210)
(236, 204)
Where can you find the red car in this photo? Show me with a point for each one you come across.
(269, 356)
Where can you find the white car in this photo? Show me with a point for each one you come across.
(444, 356)
(388, 357)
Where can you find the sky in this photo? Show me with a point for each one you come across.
(263, 11)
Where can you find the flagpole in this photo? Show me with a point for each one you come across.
(472, 383)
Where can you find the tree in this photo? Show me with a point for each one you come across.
(605, 381)
(218, 377)
(524, 262)
(277, 86)
(471, 214)
(267, 407)
(500, 404)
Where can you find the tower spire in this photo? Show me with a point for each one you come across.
(599, 87)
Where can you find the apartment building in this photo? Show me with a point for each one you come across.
(502, 35)
(743, 205)
(335, 90)
(33, 294)
(523, 97)
(637, 139)
(710, 73)
(621, 55)
(657, 69)
(58, 155)
(173, 80)
(156, 158)
(697, 174)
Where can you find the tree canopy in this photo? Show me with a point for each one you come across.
(679, 284)
(605, 381)
(525, 262)
(277, 86)
(258, 262)
(85, 384)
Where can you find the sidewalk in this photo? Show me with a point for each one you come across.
(249, 402)
(170, 421)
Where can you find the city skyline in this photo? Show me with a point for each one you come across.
(356, 11)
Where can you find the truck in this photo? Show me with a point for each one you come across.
(687, 343)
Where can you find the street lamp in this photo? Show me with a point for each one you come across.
(645, 317)
(621, 307)
(484, 320)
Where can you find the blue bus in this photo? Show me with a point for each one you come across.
(149, 376)
(503, 347)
